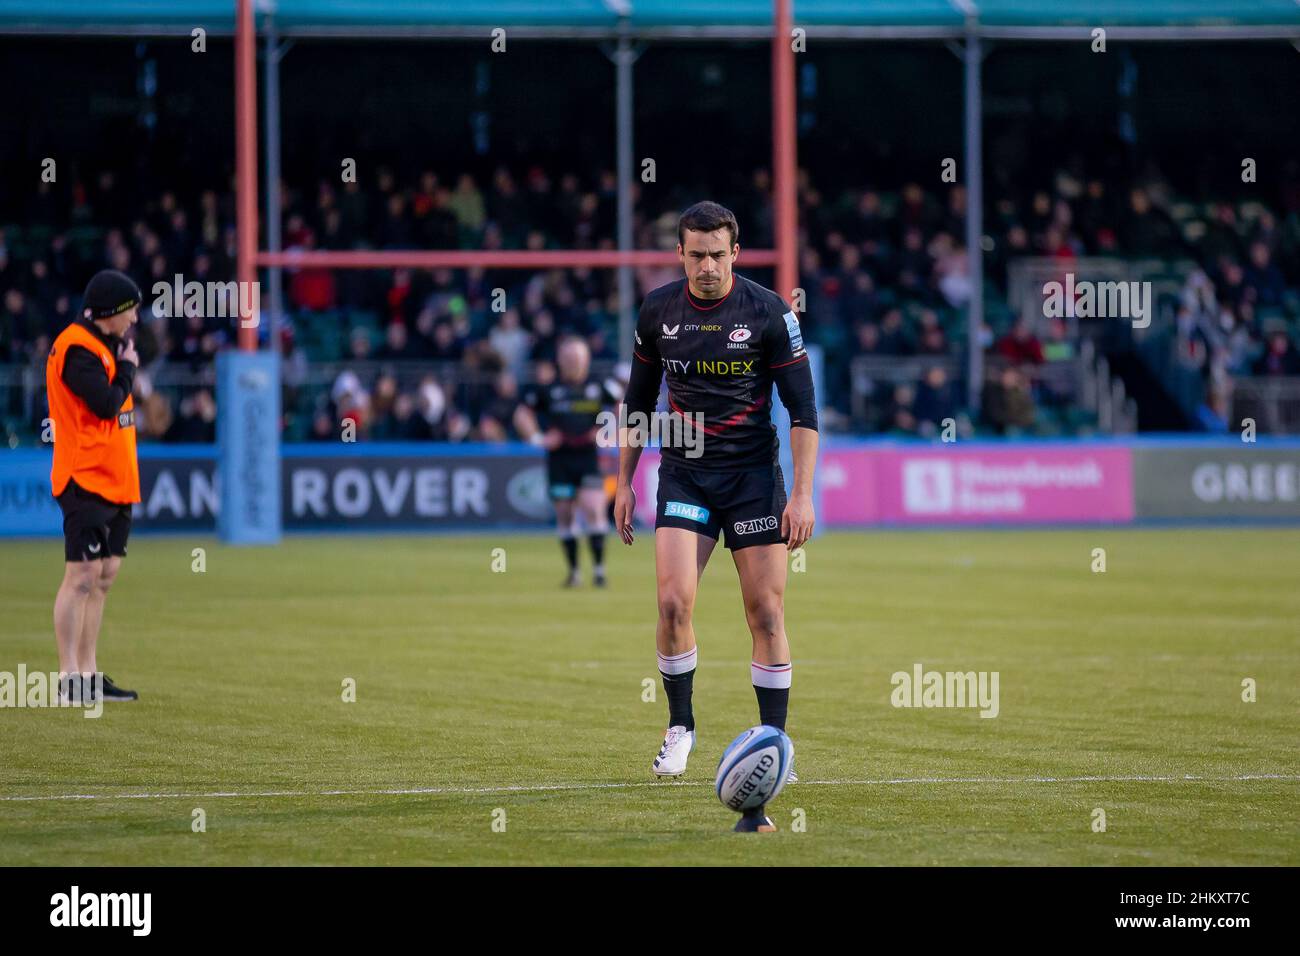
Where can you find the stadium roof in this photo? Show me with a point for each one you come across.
(850, 18)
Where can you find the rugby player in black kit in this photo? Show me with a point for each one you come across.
(722, 341)
(569, 408)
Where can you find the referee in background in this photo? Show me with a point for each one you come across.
(96, 477)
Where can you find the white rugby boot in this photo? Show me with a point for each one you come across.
(677, 746)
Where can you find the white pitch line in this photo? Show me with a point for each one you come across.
(547, 788)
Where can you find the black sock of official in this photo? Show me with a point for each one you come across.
(570, 545)
(597, 542)
(772, 688)
(678, 672)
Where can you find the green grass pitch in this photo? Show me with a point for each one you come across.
(501, 692)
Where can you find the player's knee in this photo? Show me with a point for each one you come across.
(675, 610)
(766, 617)
(82, 575)
(108, 574)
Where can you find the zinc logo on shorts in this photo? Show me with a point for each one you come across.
(755, 525)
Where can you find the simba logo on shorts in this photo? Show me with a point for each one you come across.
(680, 509)
(756, 525)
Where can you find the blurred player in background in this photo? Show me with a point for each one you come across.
(562, 418)
(723, 341)
(96, 476)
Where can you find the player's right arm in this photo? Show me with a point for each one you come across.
(83, 373)
(638, 405)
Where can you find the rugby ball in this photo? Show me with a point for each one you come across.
(754, 768)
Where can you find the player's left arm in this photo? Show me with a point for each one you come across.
(792, 375)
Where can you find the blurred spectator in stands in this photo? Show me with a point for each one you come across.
(505, 207)
(383, 401)
(351, 405)
(1280, 358)
(1146, 230)
(913, 274)
(154, 417)
(899, 416)
(496, 422)
(439, 228)
(1020, 345)
(447, 345)
(430, 421)
(868, 339)
(1039, 216)
(1008, 402)
(544, 337)
(933, 340)
(952, 270)
(1222, 240)
(1097, 215)
(397, 344)
(1263, 278)
(293, 364)
(398, 300)
(1059, 346)
(17, 327)
(1231, 288)
(466, 204)
(359, 345)
(894, 339)
(310, 288)
(421, 342)
(857, 296)
(395, 228)
(323, 427)
(511, 341)
(196, 422)
(934, 401)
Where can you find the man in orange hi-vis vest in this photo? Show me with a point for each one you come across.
(96, 477)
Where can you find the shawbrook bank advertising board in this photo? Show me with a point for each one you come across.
(977, 483)
(882, 483)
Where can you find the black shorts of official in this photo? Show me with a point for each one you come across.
(570, 469)
(745, 505)
(93, 527)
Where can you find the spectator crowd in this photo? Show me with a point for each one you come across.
(442, 354)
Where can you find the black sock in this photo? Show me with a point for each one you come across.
(597, 542)
(773, 703)
(678, 687)
(772, 687)
(570, 545)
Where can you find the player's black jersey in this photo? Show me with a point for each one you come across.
(721, 357)
(572, 409)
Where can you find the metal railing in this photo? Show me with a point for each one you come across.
(1084, 381)
(1273, 404)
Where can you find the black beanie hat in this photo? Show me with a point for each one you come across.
(108, 293)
